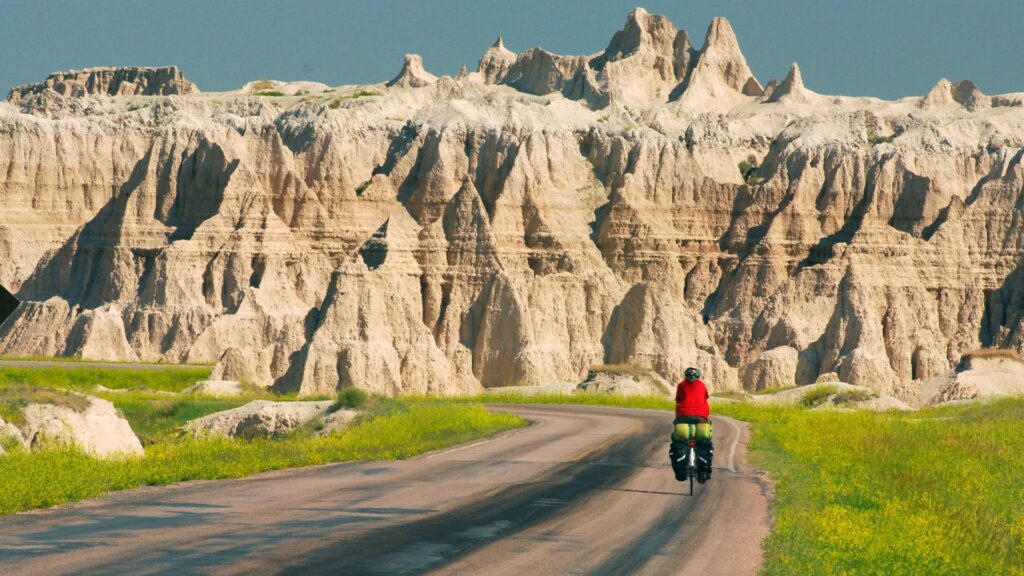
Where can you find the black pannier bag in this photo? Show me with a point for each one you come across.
(678, 455)
(705, 456)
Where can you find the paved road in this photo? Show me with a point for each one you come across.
(105, 365)
(584, 490)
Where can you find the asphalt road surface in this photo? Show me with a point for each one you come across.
(584, 490)
(72, 364)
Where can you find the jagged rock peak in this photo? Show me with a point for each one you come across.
(413, 75)
(963, 93)
(109, 81)
(721, 72)
(540, 72)
(722, 48)
(791, 89)
(463, 73)
(641, 31)
(495, 62)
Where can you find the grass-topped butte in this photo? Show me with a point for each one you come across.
(994, 353)
(14, 399)
(336, 103)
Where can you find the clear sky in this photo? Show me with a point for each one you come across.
(886, 48)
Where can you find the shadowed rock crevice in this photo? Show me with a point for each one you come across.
(8, 304)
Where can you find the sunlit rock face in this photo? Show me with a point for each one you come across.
(652, 203)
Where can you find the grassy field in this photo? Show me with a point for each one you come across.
(389, 429)
(53, 477)
(939, 491)
(86, 378)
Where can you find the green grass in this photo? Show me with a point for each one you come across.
(156, 417)
(271, 93)
(56, 476)
(361, 94)
(932, 492)
(16, 397)
(350, 398)
(875, 139)
(817, 395)
(85, 378)
(851, 396)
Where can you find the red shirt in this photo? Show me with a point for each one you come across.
(692, 399)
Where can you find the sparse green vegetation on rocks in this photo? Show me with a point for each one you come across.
(15, 398)
(817, 395)
(876, 139)
(362, 94)
(773, 389)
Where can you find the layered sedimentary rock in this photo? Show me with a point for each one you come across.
(649, 204)
(109, 82)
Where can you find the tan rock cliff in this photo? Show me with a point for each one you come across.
(535, 218)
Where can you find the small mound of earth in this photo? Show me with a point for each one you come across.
(287, 88)
(99, 430)
(258, 419)
(842, 395)
(626, 383)
(337, 420)
(980, 376)
(216, 388)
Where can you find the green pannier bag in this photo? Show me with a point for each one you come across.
(684, 432)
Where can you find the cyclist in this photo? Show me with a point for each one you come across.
(692, 397)
(692, 408)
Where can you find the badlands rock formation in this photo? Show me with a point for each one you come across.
(978, 376)
(258, 419)
(109, 82)
(216, 388)
(534, 218)
(98, 429)
(630, 383)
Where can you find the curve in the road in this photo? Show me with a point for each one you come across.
(584, 490)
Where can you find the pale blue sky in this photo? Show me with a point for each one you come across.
(866, 47)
